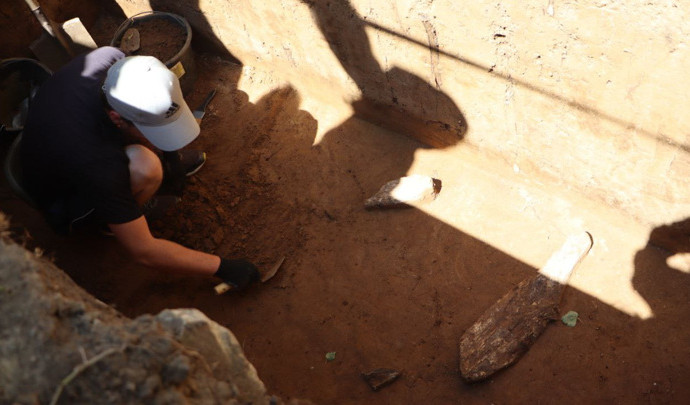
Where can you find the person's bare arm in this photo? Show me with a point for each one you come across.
(162, 254)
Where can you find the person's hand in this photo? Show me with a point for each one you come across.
(238, 273)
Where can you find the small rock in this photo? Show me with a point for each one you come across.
(132, 374)
(225, 391)
(218, 236)
(176, 371)
(169, 397)
(380, 377)
(162, 346)
(130, 41)
(220, 347)
(405, 191)
(150, 386)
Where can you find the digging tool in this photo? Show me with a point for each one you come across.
(225, 287)
(200, 111)
(508, 329)
(76, 37)
(48, 49)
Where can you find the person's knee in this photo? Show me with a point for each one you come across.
(145, 168)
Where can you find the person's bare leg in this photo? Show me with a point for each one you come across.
(145, 172)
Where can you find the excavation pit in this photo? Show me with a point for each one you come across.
(291, 165)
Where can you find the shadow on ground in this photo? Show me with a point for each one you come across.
(390, 289)
(381, 289)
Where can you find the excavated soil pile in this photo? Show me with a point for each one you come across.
(160, 37)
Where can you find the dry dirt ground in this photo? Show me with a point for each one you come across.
(392, 289)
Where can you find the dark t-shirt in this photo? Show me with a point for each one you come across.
(71, 151)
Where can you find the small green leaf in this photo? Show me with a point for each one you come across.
(570, 318)
(330, 356)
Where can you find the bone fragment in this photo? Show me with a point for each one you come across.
(405, 192)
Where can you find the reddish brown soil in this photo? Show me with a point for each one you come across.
(391, 289)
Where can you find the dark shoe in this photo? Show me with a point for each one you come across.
(159, 205)
(192, 160)
(177, 166)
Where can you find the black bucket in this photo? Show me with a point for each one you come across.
(20, 79)
(182, 63)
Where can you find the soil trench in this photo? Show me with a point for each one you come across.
(380, 289)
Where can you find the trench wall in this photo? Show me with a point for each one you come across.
(591, 96)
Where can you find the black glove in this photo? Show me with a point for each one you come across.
(238, 273)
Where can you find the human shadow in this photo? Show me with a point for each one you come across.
(662, 278)
(662, 270)
(390, 97)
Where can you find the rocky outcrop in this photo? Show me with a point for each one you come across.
(58, 344)
(217, 344)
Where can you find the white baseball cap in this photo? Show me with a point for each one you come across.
(143, 90)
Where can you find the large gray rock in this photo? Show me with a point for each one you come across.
(58, 343)
(193, 329)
